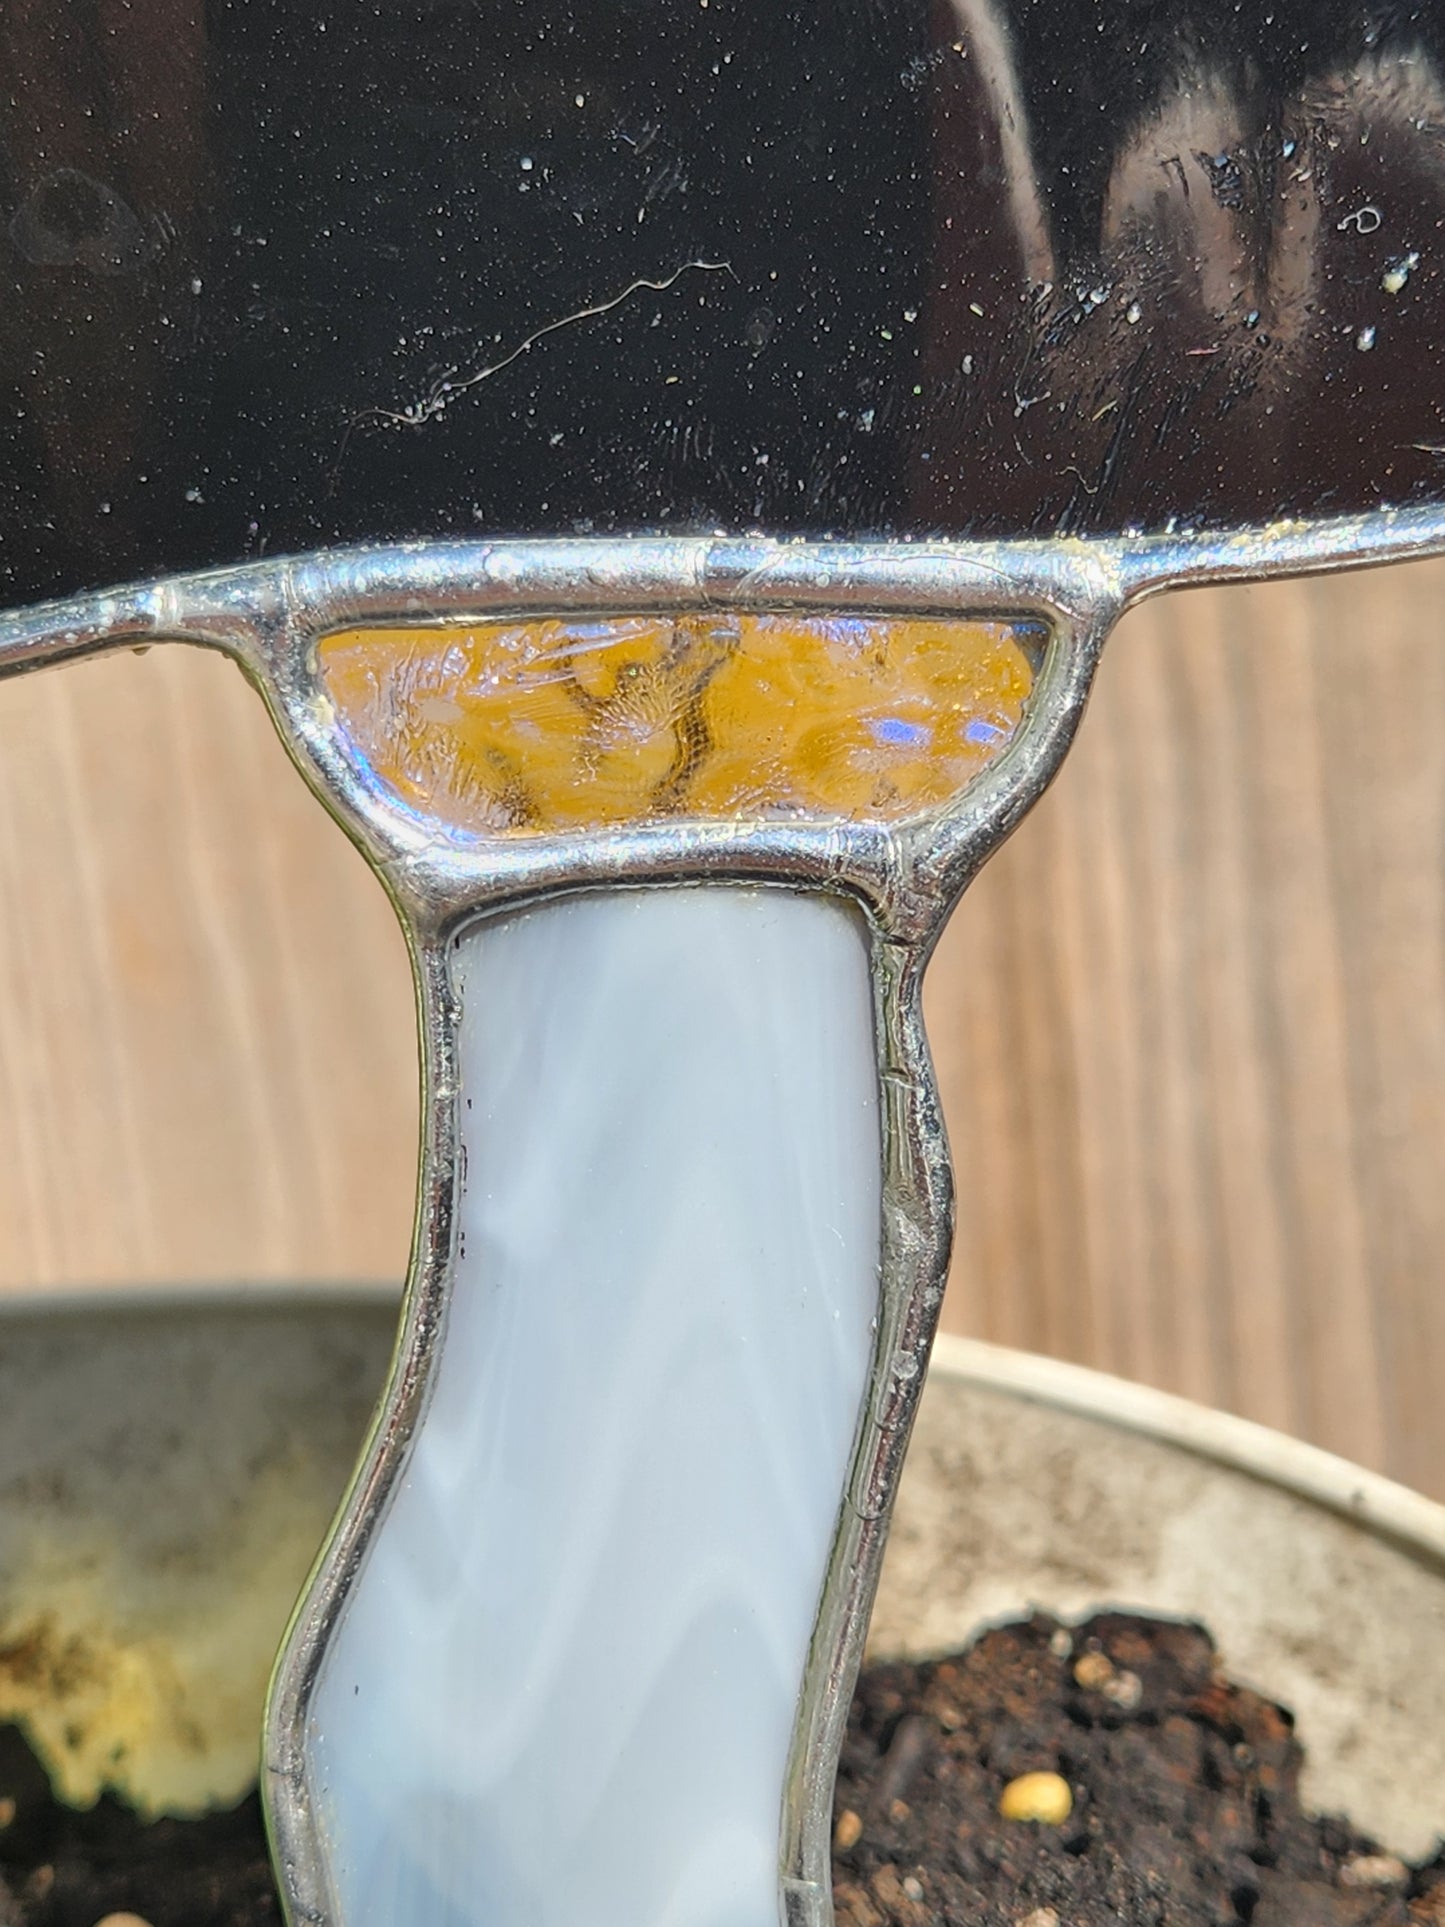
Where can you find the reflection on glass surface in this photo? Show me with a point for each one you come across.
(281, 274)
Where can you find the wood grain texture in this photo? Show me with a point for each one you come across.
(1190, 1024)
(206, 1034)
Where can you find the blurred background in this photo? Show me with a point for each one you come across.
(1190, 1023)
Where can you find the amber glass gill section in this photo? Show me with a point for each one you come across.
(553, 725)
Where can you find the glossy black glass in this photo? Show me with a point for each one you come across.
(275, 274)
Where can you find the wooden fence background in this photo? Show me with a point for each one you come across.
(1190, 1024)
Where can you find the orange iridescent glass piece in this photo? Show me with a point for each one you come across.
(546, 725)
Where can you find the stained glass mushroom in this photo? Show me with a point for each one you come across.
(991, 316)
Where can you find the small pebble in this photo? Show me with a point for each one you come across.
(123, 1920)
(892, 1895)
(1093, 1671)
(1125, 1690)
(1044, 1797)
(1373, 1870)
(1040, 1917)
(1061, 1644)
(7, 1812)
(848, 1832)
(913, 1887)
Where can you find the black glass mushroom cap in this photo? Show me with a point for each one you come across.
(280, 276)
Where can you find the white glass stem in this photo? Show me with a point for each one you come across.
(562, 1689)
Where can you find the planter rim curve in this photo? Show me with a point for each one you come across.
(164, 1531)
(1035, 1484)
(1237, 1444)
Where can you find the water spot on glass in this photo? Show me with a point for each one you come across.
(70, 220)
(758, 329)
(1398, 273)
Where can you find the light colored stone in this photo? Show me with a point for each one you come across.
(1041, 1797)
(1373, 1870)
(848, 1831)
(1093, 1671)
(1124, 1690)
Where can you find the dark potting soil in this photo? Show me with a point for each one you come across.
(1182, 1793)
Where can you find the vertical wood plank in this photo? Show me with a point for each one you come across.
(206, 1035)
(1228, 1009)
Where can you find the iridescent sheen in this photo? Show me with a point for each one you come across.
(537, 726)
